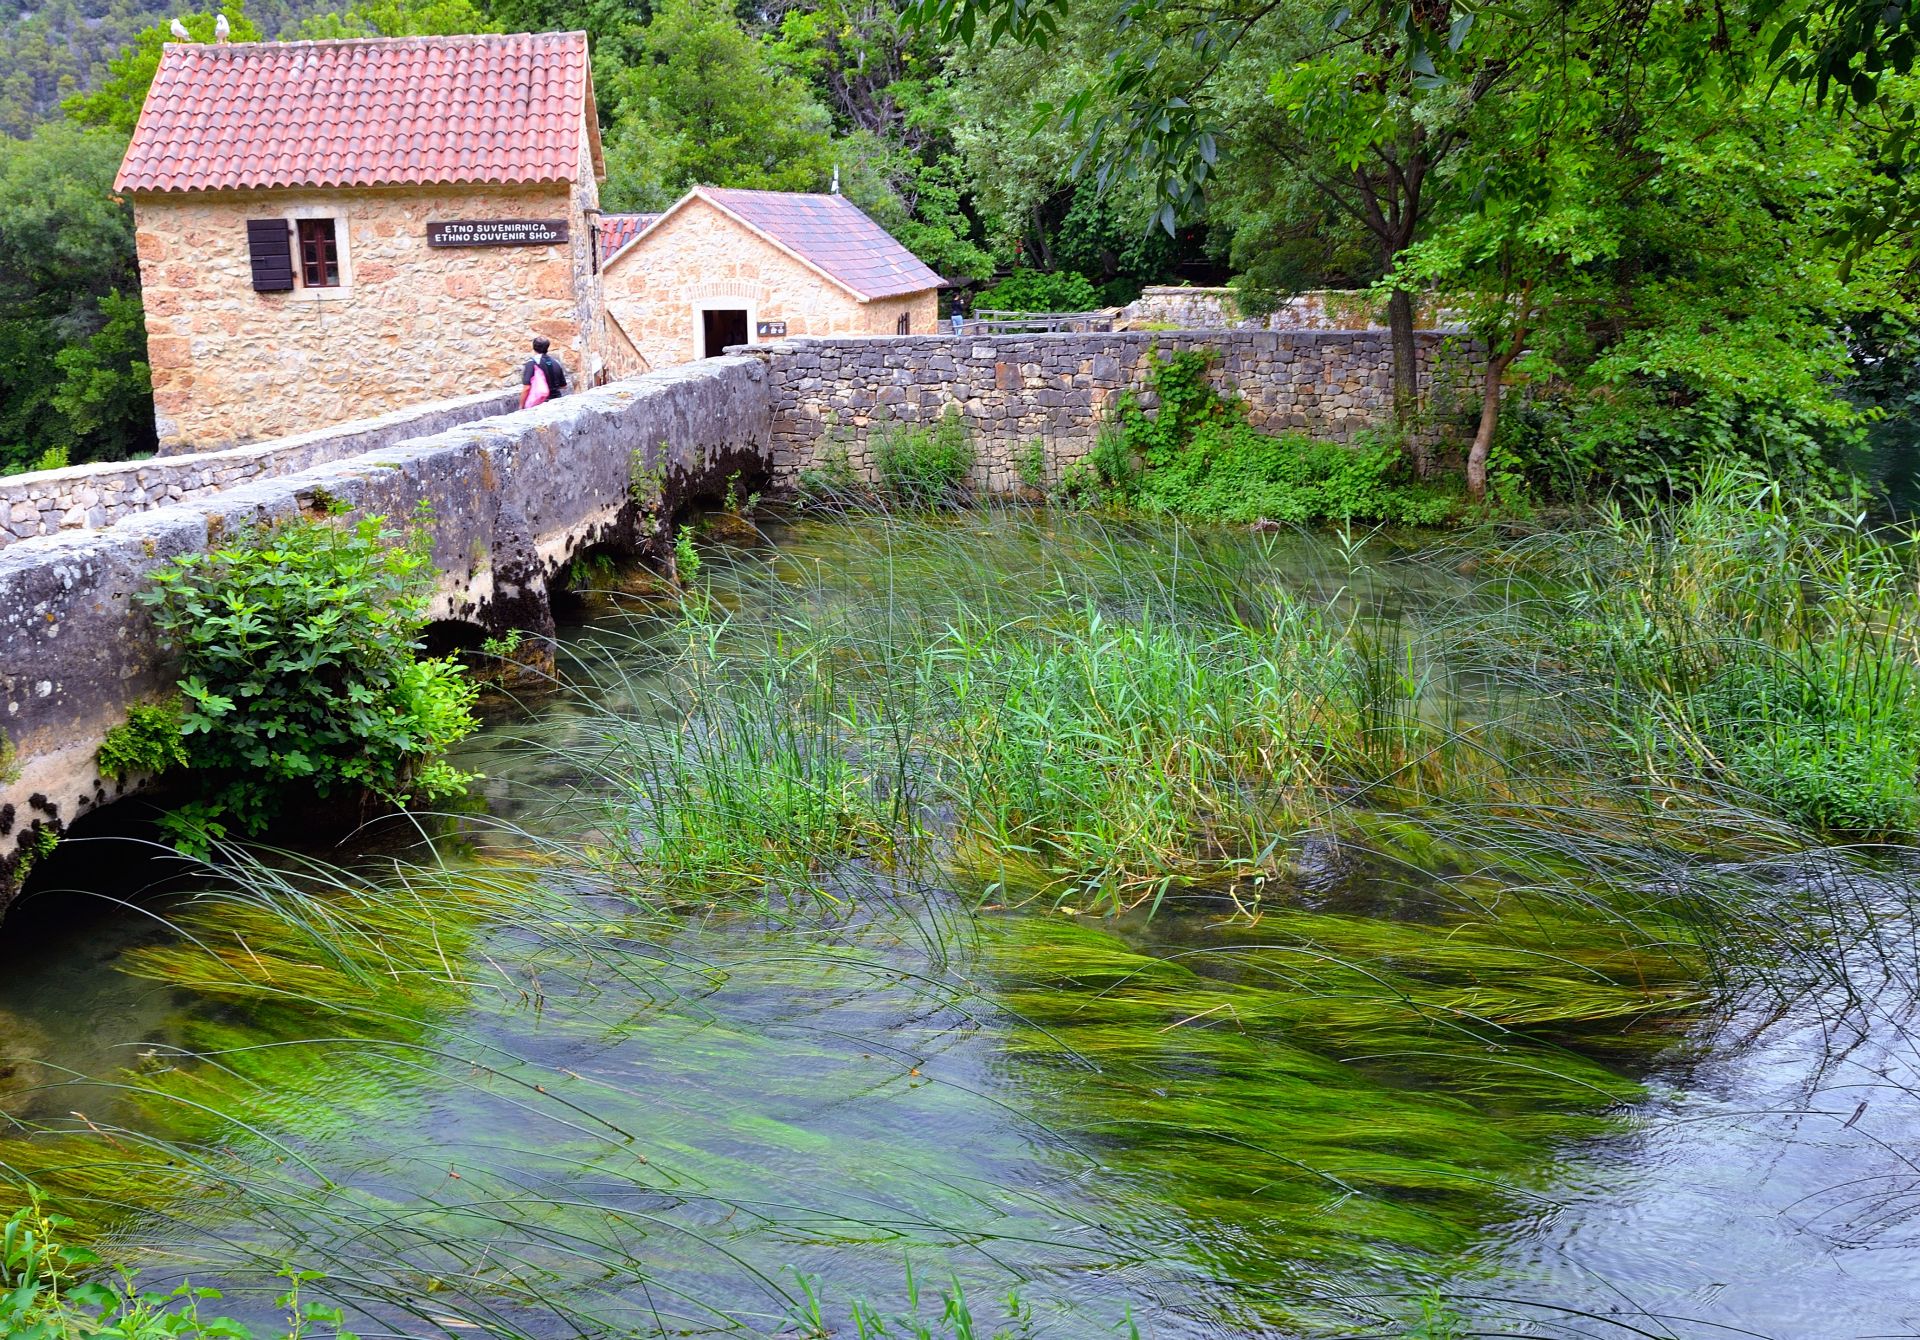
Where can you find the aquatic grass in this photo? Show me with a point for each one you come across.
(1123, 752)
(1743, 640)
(771, 977)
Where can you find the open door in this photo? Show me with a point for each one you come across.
(721, 327)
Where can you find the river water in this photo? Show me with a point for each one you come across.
(574, 1120)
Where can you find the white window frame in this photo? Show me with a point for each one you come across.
(341, 243)
(702, 306)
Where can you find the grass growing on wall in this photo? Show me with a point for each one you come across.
(920, 466)
(1197, 457)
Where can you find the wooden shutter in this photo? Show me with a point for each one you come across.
(270, 249)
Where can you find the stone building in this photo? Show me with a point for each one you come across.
(332, 230)
(727, 267)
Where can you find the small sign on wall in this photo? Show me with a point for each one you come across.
(497, 233)
(769, 330)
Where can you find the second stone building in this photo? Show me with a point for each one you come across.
(730, 267)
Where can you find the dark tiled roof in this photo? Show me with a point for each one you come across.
(616, 230)
(377, 112)
(830, 233)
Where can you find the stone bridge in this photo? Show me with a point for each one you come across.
(514, 496)
(512, 500)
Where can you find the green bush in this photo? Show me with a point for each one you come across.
(1197, 457)
(923, 467)
(1572, 444)
(686, 559)
(1039, 291)
(299, 665)
(1031, 464)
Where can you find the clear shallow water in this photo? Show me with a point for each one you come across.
(657, 1126)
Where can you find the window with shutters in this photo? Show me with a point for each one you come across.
(270, 251)
(904, 326)
(319, 253)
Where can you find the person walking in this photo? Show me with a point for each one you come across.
(543, 377)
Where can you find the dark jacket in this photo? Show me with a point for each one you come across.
(556, 375)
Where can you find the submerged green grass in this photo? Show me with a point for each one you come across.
(1154, 923)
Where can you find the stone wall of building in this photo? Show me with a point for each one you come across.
(409, 323)
(830, 396)
(1217, 309)
(700, 258)
(93, 497)
(511, 500)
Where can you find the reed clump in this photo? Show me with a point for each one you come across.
(1749, 641)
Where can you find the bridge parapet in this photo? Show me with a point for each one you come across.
(94, 497)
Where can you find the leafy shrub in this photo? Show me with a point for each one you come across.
(298, 647)
(49, 1291)
(53, 458)
(923, 467)
(1571, 443)
(1039, 291)
(1197, 457)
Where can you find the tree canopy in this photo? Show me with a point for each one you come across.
(1676, 229)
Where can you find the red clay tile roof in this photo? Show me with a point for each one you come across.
(616, 230)
(374, 112)
(830, 233)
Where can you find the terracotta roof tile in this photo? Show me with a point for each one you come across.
(616, 230)
(831, 233)
(373, 112)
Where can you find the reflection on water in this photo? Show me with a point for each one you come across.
(523, 1106)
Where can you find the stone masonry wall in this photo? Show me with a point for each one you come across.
(702, 258)
(93, 497)
(1217, 309)
(1014, 389)
(409, 323)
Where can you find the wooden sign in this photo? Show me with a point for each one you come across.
(769, 330)
(497, 233)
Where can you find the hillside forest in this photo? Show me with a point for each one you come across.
(1682, 228)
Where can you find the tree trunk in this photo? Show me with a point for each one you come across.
(1406, 377)
(1489, 421)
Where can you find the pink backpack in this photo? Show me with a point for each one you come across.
(538, 392)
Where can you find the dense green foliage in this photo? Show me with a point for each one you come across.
(1039, 291)
(300, 675)
(73, 372)
(1196, 456)
(706, 103)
